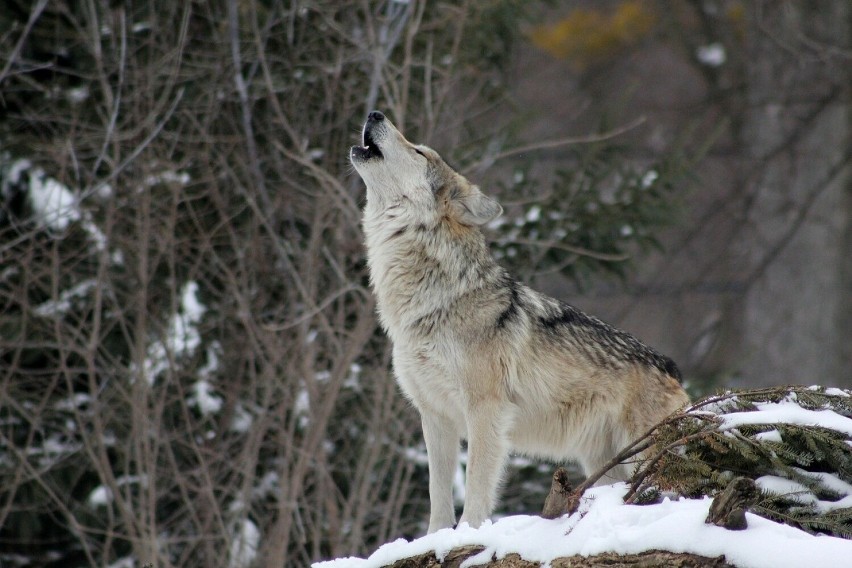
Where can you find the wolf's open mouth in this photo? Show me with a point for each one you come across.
(370, 148)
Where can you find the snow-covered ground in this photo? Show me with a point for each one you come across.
(605, 524)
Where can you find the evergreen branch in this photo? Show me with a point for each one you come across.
(695, 457)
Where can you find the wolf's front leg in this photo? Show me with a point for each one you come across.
(487, 447)
(442, 448)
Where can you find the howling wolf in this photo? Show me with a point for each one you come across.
(482, 356)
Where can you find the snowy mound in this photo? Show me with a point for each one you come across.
(605, 524)
(793, 442)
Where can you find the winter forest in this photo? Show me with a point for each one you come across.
(192, 373)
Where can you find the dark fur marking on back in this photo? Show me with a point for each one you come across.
(566, 316)
(512, 309)
(671, 368)
(613, 345)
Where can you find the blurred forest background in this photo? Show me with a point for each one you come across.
(191, 372)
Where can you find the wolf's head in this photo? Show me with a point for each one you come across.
(397, 171)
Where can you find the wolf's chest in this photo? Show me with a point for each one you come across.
(429, 377)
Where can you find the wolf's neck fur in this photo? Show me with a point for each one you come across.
(421, 268)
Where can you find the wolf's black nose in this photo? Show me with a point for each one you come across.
(376, 116)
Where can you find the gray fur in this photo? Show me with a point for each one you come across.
(482, 356)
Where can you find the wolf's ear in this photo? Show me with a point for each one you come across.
(476, 208)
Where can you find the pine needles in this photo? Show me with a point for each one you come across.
(794, 442)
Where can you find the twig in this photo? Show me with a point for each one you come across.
(638, 446)
(242, 93)
(588, 139)
(388, 37)
(631, 494)
(317, 309)
(34, 15)
(574, 249)
(116, 101)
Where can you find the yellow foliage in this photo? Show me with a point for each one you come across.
(588, 35)
(736, 15)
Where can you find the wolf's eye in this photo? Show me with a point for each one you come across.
(420, 152)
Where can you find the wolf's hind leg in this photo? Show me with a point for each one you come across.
(488, 447)
(606, 449)
(442, 448)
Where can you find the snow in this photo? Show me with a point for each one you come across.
(203, 393)
(204, 398)
(322, 376)
(13, 176)
(191, 307)
(353, 379)
(182, 338)
(242, 420)
(244, 546)
(605, 524)
(95, 234)
(794, 490)
(712, 55)
(212, 364)
(787, 412)
(58, 307)
(53, 203)
(534, 214)
(102, 495)
(302, 408)
(269, 485)
(770, 436)
(496, 223)
(104, 190)
(55, 206)
(77, 95)
(168, 177)
(53, 450)
(73, 402)
(649, 178)
(829, 481)
(799, 493)
(459, 487)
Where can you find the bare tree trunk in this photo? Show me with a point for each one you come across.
(797, 239)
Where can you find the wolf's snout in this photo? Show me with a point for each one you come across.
(370, 149)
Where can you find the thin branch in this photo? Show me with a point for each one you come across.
(488, 161)
(317, 309)
(116, 103)
(147, 141)
(802, 212)
(635, 448)
(572, 249)
(242, 93)
(16, 51)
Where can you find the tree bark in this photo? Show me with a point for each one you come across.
(561, 499)
(796, 313)
(649, 559)
(729, 507)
